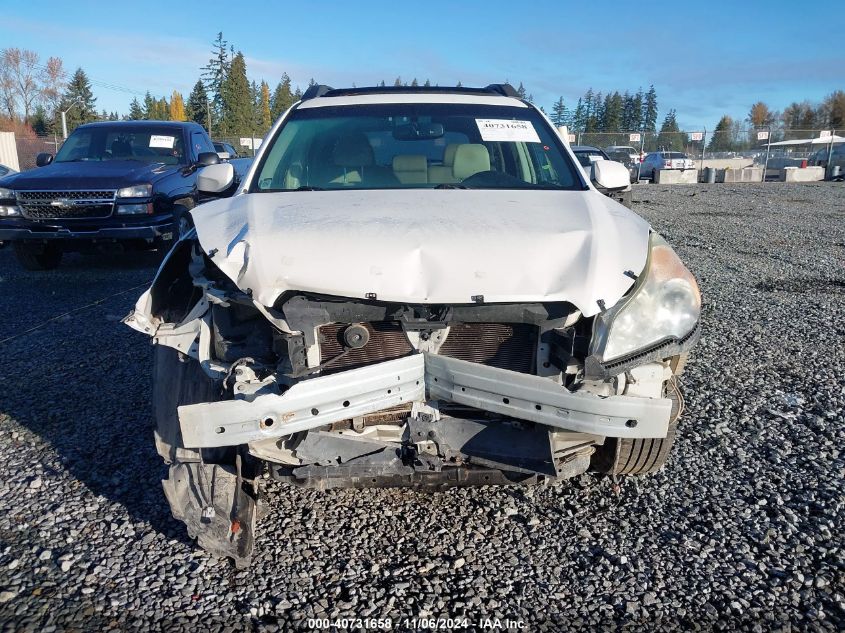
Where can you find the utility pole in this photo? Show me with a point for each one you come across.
(64, 117)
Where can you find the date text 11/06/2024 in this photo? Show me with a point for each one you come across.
(417, 624)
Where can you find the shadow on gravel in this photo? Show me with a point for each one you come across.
(801, 285)
(82, 384)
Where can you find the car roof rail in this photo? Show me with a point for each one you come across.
(316, 90)
(506, 90)
(320, 90)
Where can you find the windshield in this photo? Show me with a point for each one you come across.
(392, 146)
(120, 142)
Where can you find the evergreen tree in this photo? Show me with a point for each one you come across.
(414, 82)
(721, 140)
(149, 106)
(214, 73)
(177, 107)
(40, 122)
(649, 116)
(559, 113)
(382, 84)
(579, 117)
(136, 113)
(196, 109)
(427, 84)
(282, 98)
(637, 110)
(265, 116)
(398, 81)
(459, 84)
(671, 138)
(79, 101)
(520, 92)
(236, 99)
(613, 109)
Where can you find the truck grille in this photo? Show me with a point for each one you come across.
(44, 205)
(504, 345)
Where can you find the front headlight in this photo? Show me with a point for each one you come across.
(665, 304)
(7, 194)
(136, 191)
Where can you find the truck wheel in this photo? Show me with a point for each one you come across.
(38, 256)
(627, 456)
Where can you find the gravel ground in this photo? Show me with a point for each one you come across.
(743, 529)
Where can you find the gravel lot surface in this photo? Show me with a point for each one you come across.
(743, 529)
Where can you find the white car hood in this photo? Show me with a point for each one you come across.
(428, 245)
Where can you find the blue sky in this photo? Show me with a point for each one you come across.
(705, 59)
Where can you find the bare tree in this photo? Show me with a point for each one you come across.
(52, 79)
(8, 100)
(22, 69)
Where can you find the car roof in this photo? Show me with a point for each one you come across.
(404, 97)
(495, 94)
(140, 122)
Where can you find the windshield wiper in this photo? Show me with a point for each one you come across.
(450, 185)
(307, 188)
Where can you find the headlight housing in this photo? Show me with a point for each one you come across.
(7, 194)
(664, 305)
(136, 191)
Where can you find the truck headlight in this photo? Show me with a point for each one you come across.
(135, 191)
(9, 211)
(7, 194)
(135, 209)
(664, 305)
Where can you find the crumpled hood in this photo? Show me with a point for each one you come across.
(107, 174)
(428, 245)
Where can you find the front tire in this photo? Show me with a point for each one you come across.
(38, 256)
(639, 456)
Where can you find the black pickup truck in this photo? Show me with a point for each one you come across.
(125, 183)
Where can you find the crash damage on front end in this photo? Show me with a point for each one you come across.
(473, 348)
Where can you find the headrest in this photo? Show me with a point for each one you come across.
(410, 162)
(449, 154)
(470, 159)
(353, 150)
(121, 148)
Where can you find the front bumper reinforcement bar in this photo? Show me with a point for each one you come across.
(320, 401)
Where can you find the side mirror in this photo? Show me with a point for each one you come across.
(215, 179)
(610, 175)
(207, 158)
(43, 159)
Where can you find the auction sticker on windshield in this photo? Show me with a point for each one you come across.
(157, 140)
(507, 130)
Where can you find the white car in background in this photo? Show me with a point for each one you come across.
(664, 160)
(632, 152)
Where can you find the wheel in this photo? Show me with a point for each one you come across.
(38, 256)
(177, 380)
(629, 456)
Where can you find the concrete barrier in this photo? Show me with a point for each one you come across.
(747, 174)
(676, 176)
(807, 174)
(726, 163)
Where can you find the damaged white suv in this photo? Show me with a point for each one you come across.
(412, 286)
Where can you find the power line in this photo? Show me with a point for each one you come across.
(94, 82)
